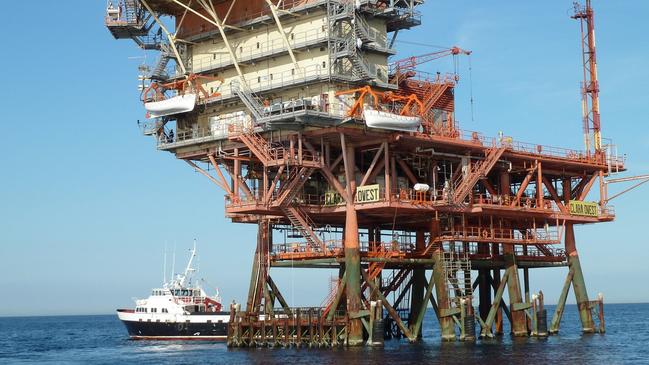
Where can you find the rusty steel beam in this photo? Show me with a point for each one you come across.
(370, 169)
(586, 188)
(561, 303)
(524, 185)
(204, 173)
(407, 171)
(554, 195)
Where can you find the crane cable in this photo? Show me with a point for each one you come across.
(471, 89)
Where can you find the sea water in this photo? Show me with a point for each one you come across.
(103, 340)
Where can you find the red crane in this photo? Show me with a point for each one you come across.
(590, 87)
(404, 68)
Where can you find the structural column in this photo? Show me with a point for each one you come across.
(518, 319)
(578, 284)
(256, 290)
(441, 287)
(352, 252)
(484, 284)
(418, 286)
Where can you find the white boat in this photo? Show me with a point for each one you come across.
(384, 120)
(175, 105)
(180, 310)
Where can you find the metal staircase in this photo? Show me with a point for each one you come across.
(250, 100)
(367, 34)
(464, 184)
(334, 284)
(345, 27)
(266, 152)
(374, 268)
(159, 73)
(295, 180)
(400, 299)
(434, 93)
(299, 219)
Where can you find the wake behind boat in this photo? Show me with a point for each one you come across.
(180, 310)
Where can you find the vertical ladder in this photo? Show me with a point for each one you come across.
(456, 271)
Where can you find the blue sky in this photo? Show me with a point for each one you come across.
(87, 204)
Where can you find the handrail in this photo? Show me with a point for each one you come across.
(263, 49)
(285, 6)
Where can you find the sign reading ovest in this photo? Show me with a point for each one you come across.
(367, 193)
(585, 209)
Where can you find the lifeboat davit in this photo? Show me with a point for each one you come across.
(175, 105)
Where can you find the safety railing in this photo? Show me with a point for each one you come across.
(303, 248)
(278, 80)
(521, 252)
(548, 234)
(285, 7)
(512, 202)
(260, 50)
(335, 247)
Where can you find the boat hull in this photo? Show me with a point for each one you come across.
(210, 326)
(383, 120)
(175, 105)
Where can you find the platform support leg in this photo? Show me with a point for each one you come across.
(518, 319)
(418, 287)
(578, 283)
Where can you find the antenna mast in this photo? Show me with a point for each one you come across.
(590, 86)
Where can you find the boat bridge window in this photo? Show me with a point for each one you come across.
(164, 310)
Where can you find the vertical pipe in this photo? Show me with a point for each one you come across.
(526, 289)
(388, 187)
(418, 286)
(499, 312)
(578, 283)
(484, 288)
(539, 186)
(237, 173)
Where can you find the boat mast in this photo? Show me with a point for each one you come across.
(189, 265)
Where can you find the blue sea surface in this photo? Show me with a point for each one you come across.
(103, 340)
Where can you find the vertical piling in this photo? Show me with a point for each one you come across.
(518, 319)
(418, 287)
(578, 284)
(352, 251)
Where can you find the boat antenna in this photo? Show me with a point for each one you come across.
(189, 269)
(164, 266)
(173, 264)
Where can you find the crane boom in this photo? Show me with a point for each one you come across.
(401, 68)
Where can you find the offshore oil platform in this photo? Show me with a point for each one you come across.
(346, 160)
